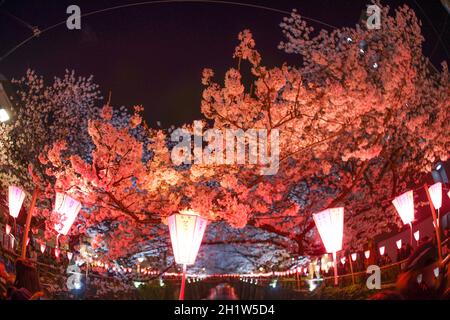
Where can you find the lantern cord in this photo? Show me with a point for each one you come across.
(36, 34)
(21, 21)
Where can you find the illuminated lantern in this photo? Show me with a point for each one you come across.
(382, 250)
(67, 208)
(330, 224)
(367, 254)
(15, 199)
(417, 235)
(399, 244)
(354, 255)
(69, 255)
(186, 234)
(8, 229)
(343, 260)
(42, 247)
(404, 204)
(56, 252)
(436, 195)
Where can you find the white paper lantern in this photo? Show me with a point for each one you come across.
(186, 233)
(15, 199)
(67, 210)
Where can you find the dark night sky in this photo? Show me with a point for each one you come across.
(154, 54)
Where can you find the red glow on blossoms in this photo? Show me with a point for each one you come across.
(405, 206)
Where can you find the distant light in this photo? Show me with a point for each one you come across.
(141, 259)
(439, 166)
(436, 272)
(274, 283)
(419, 279)
(354, 256)
(349, 39)
(375, 65)
(417, 235)
(399, 244)
(382, 250)
(4, 116)
(367, 254)
(312, 285)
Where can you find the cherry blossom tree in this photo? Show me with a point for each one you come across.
(43, 114)
(361, 118)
